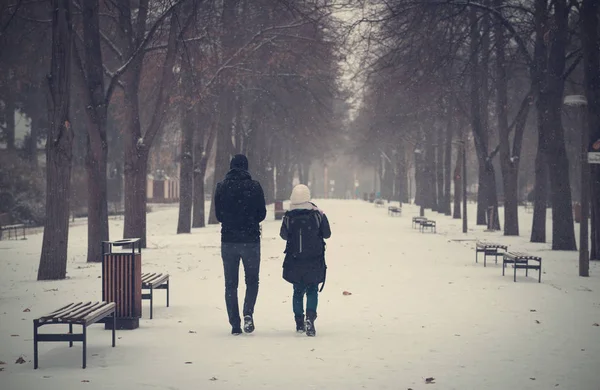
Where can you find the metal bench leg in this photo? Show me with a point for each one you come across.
(540, 274)
(167, 293)
(484, 259)
(515, 271)
(151, 300)
(71, 333)
(35, 344)
(84, 345)
(114, 319)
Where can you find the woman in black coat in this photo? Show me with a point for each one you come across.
(305, 229)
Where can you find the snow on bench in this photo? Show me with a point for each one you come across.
(489, 249)
(521, 261)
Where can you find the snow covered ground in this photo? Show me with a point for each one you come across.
(420, 308)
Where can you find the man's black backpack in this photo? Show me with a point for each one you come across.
(304, 234)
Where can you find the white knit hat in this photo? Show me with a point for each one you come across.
(300, 194)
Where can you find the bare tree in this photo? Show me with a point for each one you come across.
(53, 260)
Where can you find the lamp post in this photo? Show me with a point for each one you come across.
(584, 255)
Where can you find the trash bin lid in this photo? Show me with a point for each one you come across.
(123, 242)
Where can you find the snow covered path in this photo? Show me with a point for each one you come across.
(420, 307)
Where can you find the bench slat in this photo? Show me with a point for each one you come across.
(83, 312)
(69, 314)
(157, 279)
(100, 312)
(490, 245)
(60, 312)
(521, 256)
(147, 276)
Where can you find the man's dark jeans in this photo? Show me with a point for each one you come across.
(250, 255)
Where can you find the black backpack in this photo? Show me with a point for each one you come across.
(304, 234)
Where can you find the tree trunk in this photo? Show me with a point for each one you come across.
(439, 167)
(202, 152)
(418, 179)
(223, 151)
(136, 197)
(97, 146)
(591, 54)
(186, 172)
(458, 183)
(53, 259)
(9, 114)
(563, 232)
(481, 140)
(32, 150)
(135, 163)
(508, 164)
(402, 179)
(137, 146)
(540, 202)
(595, 217)
(97, 202)
(448, 164)
(538, 75)
(187, 168)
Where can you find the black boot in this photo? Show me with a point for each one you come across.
(300, 328)
(248, 324)
(311, 316)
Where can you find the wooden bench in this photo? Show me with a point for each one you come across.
(489, 249)
(522, 261)
(416, 221)
(154, 281)
(84, 314)
(6, 225)
(428, 223)
(393, 210)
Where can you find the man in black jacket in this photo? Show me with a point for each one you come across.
(240, 207)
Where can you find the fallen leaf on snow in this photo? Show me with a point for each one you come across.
(188, 362)
(1, 362)
(537, 322)
(214, 378)
(20, 360)
(85, 381)
(26, 310)
(346, 293)
(1, 368)
(596, 324)
(429, 380)
(533, 310)
(192, 331)
(14, 335)
(532, 379)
